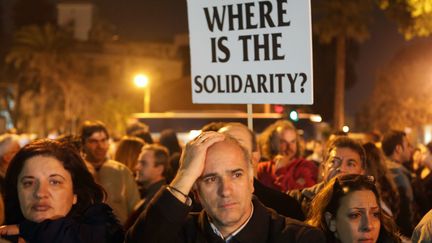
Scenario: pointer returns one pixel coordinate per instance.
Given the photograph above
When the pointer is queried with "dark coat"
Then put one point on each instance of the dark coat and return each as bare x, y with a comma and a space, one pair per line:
281, 202
96, 224
168, 220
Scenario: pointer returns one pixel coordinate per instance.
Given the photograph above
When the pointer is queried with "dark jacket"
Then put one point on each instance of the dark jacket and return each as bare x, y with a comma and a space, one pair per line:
281, 202
306, 195
168, 220
146, 196
96, 224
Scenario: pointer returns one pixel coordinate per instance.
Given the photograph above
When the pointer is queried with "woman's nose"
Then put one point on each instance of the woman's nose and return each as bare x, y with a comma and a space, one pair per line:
41, 190
366, 224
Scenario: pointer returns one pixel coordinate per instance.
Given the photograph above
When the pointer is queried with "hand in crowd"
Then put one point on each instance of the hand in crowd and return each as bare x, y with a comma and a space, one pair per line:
192, 160
9, 230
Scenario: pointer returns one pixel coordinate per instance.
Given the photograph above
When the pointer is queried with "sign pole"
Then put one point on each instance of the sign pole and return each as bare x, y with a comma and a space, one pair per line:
249, 116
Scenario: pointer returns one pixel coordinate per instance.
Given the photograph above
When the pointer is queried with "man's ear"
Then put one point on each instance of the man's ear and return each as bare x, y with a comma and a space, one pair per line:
330, 221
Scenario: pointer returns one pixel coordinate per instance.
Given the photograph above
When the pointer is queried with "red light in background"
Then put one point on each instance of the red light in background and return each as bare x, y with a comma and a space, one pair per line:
278, 109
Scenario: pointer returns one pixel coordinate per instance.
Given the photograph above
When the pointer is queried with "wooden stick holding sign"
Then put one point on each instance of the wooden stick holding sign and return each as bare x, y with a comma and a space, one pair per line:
249, 116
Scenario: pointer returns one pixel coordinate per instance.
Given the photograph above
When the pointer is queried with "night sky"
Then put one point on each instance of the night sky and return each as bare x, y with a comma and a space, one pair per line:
154, 20
149, 20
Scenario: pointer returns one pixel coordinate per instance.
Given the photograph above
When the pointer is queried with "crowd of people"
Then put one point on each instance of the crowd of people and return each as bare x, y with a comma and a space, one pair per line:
225, 185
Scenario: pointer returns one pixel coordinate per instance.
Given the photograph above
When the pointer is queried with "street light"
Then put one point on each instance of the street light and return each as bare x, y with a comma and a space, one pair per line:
142, 81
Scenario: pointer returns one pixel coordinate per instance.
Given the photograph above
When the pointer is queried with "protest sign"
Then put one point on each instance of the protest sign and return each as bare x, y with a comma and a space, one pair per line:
251, 52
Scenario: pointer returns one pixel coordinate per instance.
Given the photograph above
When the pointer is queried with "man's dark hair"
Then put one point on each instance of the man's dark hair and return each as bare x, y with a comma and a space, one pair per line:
391, 140
90, 127
346, 142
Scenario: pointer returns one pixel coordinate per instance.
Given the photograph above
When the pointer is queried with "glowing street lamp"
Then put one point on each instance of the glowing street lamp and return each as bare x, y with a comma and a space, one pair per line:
143, 81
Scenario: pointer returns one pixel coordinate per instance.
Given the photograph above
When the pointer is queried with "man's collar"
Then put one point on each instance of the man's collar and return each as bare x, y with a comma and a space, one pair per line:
231, 235
252, 231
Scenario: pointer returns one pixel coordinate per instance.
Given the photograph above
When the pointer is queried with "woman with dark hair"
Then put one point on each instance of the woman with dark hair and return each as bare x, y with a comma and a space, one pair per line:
376, 167
168, 138
348, 210
50, 196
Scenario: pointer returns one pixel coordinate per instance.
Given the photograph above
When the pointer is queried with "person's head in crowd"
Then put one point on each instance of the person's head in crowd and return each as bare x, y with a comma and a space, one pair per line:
343, 155
75, 142
212, 126
128, 150
374, 137
9, 146
396, 146
280, 138
135, 127
144, 135
152, 164
227, 178
429, 147
168, 139
48, 179
95, 140
348, 210
245, 137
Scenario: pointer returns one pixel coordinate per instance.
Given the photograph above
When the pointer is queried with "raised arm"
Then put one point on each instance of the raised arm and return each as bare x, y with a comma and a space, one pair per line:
192, 163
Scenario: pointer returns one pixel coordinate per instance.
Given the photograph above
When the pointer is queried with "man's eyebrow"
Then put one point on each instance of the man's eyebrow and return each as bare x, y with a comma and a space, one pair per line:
207, 175
237, 170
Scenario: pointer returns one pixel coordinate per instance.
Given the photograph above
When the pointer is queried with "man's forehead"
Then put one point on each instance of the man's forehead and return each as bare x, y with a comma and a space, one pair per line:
146, 152
344, 152
98, 135
224, 153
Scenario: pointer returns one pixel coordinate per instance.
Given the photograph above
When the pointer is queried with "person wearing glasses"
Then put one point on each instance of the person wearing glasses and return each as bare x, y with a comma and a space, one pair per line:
347, 210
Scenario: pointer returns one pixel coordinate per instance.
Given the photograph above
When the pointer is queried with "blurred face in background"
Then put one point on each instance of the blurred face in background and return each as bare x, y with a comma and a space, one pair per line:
342, 161
406, 150
96, 147
45, 189
288, 143
146, 171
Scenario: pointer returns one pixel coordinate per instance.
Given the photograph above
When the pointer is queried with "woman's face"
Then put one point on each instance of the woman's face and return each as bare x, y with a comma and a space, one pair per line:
45, 189
358, 218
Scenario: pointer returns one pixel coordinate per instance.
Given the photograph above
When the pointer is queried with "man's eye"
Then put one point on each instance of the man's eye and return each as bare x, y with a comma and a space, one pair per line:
210, 179
352, 164
237, 174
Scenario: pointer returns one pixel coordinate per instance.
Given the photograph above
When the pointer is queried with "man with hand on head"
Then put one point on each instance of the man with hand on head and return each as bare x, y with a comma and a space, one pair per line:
219, 172
281, 202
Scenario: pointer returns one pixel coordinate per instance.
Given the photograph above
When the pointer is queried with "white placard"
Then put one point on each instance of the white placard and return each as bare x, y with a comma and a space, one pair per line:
251, 52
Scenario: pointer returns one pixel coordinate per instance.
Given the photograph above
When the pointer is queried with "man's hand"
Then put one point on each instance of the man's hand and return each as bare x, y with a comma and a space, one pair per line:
9, 230
192, 160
